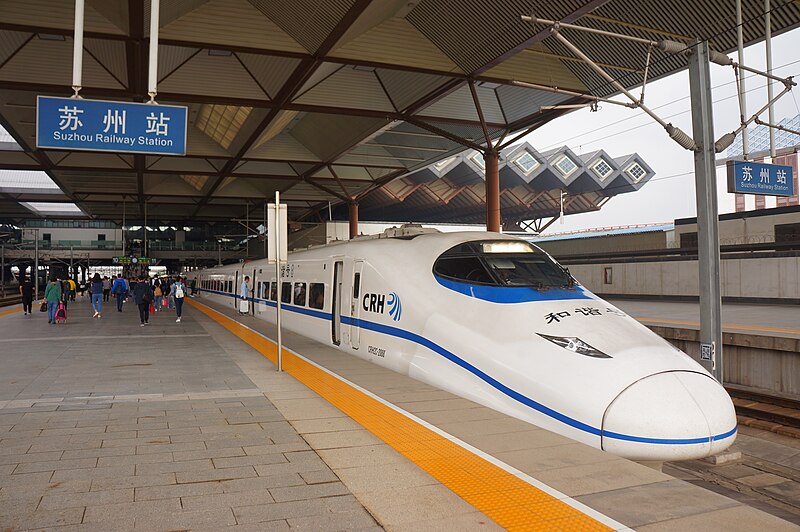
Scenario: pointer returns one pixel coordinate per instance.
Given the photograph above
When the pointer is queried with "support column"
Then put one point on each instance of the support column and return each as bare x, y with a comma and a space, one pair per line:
705, 176
353, 209
492, 160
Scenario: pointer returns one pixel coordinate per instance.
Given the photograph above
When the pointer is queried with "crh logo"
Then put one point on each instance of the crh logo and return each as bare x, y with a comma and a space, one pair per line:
377, 303
395, 307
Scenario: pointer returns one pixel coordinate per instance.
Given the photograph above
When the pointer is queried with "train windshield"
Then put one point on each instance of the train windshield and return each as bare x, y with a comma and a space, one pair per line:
502, 263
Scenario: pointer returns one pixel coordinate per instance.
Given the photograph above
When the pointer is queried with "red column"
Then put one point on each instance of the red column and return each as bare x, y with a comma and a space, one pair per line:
353, 219
492, 159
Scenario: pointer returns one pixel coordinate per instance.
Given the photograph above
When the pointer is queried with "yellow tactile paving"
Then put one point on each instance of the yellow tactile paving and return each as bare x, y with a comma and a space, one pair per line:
508, 500
5, 312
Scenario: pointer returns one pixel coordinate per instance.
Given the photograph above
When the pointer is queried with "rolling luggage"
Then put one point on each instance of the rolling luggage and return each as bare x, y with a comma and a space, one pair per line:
61, 313
243, 306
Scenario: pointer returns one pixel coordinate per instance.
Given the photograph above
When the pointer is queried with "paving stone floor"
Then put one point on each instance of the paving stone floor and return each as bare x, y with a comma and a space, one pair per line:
106, 425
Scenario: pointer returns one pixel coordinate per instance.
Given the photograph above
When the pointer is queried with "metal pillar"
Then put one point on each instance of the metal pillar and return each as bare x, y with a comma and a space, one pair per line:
768, 42
36, 263
742, 85
707, 217
492, 160
353, 210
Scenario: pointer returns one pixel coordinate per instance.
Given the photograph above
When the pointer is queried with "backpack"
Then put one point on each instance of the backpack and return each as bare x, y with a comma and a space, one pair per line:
179, 291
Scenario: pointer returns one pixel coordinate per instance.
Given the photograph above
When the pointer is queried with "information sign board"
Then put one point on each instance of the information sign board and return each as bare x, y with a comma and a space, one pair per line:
746, 177
97, 125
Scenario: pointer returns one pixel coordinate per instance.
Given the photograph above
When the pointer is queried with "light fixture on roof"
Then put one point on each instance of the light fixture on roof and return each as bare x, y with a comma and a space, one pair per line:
635, 171
51, 37
602, 169
219, 53
566, 166
526, 162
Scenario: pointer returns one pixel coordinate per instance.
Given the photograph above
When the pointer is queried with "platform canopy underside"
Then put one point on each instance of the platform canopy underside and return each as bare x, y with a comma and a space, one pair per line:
328, 101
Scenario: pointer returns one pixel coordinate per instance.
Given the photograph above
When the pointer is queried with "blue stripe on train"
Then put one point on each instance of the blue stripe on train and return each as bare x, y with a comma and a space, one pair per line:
527, 401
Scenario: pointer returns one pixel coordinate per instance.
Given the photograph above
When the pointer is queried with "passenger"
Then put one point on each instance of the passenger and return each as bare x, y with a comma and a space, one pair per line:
97, 295
120, 290
72, 289
106, 288
178, 292
26, 291
158, 295
64, 283
244, 290
52, 294
143, 295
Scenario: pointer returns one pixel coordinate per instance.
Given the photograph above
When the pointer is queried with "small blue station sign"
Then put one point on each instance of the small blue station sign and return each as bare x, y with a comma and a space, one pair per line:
96, 125
746, 177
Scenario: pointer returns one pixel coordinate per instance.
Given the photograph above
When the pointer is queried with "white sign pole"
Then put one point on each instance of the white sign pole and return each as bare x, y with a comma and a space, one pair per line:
152, 70
278, 274
77, 50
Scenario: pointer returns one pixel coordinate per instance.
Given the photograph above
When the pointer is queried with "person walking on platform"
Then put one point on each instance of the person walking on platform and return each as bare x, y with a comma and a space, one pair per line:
178, 292
143, 295
72, 289
52, 294
106, 288
120, 290
158, 295
97, 295
26, 291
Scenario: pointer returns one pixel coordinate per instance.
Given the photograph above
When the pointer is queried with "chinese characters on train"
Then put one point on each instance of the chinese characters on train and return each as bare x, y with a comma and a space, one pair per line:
556, 317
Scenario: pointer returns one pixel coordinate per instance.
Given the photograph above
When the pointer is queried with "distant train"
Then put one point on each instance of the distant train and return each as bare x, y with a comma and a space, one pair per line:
496, 320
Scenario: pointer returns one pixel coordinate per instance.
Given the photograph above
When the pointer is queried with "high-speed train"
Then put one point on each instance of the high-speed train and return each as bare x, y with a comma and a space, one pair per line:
496, 320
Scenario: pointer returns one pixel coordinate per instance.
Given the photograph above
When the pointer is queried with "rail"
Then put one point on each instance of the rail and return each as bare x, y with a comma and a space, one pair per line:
775, 409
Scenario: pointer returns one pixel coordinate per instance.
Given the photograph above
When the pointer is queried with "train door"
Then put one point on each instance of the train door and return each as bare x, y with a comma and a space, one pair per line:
336, 304
355, 308
235, 289
253, 293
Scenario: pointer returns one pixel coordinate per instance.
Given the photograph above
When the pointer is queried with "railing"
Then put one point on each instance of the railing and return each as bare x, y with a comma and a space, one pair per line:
193, 246
67, 244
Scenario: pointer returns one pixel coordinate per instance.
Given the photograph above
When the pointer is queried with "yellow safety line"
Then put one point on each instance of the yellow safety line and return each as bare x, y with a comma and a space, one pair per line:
510, 501
12, 311
724, 325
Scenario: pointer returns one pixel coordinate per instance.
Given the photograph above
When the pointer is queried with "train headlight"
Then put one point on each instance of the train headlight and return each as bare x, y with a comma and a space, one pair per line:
576, 345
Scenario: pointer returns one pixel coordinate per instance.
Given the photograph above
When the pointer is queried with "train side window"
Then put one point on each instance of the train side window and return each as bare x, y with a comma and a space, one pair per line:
286, 292
273, 291
300, 294
316, 295
356, 284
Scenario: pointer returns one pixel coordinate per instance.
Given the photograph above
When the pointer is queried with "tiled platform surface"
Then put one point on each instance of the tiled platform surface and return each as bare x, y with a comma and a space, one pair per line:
109, 426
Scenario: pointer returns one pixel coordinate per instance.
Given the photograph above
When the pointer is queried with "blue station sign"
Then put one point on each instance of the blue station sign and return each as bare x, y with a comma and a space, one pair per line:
96, 125
746, 177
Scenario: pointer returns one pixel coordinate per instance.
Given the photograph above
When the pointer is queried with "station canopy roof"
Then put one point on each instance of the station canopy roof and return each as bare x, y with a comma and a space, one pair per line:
325, 101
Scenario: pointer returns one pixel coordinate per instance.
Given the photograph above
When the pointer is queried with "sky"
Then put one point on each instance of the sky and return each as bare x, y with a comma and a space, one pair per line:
670, 194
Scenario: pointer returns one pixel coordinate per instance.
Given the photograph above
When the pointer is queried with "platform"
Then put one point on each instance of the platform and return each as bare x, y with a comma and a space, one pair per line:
105, 425
759, 320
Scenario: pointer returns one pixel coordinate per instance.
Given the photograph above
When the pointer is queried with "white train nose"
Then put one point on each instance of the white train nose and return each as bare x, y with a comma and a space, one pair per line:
676, 415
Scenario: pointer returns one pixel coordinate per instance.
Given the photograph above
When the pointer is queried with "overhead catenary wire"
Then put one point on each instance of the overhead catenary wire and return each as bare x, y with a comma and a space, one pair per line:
638, 115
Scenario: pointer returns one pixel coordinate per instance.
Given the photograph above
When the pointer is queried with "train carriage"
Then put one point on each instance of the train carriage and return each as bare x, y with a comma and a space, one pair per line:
496, 320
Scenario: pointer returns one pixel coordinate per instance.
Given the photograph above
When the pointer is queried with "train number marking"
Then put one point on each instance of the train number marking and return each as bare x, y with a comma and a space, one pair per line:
377, 351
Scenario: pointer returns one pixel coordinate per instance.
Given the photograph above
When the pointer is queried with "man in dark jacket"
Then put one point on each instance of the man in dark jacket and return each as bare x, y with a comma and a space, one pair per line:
26, 291
143, 295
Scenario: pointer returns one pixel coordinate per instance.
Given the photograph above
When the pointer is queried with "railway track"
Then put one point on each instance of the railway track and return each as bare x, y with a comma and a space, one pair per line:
781, 413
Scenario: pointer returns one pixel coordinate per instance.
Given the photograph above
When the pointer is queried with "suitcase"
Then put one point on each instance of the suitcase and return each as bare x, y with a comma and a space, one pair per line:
61, 313
244, 307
